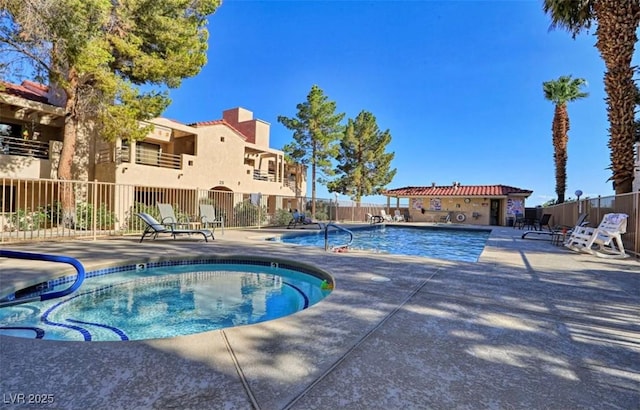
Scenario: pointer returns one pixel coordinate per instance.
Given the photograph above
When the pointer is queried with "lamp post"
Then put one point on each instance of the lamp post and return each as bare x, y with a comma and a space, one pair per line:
579, 194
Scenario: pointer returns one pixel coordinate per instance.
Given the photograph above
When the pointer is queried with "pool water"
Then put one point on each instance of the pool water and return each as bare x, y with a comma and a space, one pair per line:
164, 302
442, 243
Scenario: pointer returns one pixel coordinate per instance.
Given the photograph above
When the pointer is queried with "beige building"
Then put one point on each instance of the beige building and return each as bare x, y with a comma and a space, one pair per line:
465, 204
231, 154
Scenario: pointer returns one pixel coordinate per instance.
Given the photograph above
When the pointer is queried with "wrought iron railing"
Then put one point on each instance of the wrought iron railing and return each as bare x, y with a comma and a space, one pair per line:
34, 209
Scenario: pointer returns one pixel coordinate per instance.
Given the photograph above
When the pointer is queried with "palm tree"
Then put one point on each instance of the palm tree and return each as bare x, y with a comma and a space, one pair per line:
560, 92
617, 22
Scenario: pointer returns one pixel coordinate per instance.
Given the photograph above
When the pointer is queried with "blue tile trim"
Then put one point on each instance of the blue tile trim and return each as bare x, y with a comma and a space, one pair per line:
150, 265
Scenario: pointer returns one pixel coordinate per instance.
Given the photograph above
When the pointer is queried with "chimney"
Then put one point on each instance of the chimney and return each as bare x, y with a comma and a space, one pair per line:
433, 185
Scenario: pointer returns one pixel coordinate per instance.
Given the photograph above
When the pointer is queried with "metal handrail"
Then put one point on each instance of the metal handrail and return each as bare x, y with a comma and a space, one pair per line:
24, 147
326, 236
16, 299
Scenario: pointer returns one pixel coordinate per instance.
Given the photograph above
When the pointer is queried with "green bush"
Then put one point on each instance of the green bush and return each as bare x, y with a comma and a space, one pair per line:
24, 220
105, 219
282, 217
246, 214
321, 215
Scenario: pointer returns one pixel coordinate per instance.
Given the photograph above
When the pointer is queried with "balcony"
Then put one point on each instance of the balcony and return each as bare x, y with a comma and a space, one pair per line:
24, 148
143, 157
259, 175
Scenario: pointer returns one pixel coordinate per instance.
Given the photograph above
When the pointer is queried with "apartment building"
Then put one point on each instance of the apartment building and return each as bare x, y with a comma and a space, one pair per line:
231, 154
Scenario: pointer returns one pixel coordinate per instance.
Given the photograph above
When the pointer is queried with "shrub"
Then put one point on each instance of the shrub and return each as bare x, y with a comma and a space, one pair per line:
24, 220
105, 219
246, 214
282, 217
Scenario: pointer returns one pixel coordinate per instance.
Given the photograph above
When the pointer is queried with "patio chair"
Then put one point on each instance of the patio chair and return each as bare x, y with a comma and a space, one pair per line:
519, 221
299, 218
385, 216
208, 218
397, 216
559, 230
528, 220
154, 228
168, 217
605, 241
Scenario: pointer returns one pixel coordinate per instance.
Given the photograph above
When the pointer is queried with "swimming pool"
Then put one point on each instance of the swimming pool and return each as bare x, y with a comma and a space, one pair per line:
456, 244
170, 298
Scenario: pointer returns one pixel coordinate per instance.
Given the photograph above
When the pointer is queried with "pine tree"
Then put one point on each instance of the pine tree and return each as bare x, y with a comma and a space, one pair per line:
364, 167
316, 131
98, 53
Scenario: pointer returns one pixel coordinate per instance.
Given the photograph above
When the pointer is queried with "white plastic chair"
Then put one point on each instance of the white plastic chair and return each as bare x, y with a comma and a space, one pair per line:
605, 241
397, 216
385, 216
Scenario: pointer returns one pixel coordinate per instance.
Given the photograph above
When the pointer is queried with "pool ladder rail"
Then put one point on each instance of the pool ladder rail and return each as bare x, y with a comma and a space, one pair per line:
35, 292
337, 227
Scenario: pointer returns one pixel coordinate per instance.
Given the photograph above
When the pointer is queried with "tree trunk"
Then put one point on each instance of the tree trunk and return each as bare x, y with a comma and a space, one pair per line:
560, 132
616, 37
313, 190
67, 195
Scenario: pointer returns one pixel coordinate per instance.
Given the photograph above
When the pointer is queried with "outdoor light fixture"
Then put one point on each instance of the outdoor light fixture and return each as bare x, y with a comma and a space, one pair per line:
579, 194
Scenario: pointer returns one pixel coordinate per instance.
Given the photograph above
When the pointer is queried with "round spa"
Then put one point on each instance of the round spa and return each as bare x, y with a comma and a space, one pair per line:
170, 298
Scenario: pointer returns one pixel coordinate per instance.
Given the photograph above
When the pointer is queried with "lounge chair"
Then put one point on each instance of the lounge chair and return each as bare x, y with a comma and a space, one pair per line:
542, 222
168, 217
154, 228
605, 241
299, 218
374, 219
557, 231
397, 216
385, 216
208, 218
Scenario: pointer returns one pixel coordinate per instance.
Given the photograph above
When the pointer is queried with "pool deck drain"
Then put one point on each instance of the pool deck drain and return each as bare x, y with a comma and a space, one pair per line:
530, 325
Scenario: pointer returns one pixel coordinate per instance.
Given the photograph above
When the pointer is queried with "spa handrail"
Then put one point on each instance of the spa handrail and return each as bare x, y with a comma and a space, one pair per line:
11, 299
326, 235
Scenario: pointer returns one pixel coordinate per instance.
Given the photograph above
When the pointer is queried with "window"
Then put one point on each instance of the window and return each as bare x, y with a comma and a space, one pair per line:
10, 130
8, 198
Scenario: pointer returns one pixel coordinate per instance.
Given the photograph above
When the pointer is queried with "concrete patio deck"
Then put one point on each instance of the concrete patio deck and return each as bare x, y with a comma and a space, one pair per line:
529, 326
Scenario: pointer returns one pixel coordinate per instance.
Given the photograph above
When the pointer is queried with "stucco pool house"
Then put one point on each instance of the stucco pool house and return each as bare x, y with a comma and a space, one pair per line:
466, 204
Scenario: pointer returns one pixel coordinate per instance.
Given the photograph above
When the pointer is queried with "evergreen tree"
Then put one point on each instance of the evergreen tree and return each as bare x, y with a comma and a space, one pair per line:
316, 131
364, 166
97, 53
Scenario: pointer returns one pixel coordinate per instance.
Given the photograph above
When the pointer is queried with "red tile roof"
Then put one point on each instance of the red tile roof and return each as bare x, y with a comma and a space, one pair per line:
28, 90
460, 190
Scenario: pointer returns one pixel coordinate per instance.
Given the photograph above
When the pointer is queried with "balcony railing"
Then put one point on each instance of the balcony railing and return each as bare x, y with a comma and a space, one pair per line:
259, 175
146, 157
23, 147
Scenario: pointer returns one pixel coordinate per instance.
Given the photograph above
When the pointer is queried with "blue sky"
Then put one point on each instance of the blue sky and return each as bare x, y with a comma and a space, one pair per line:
457, 83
